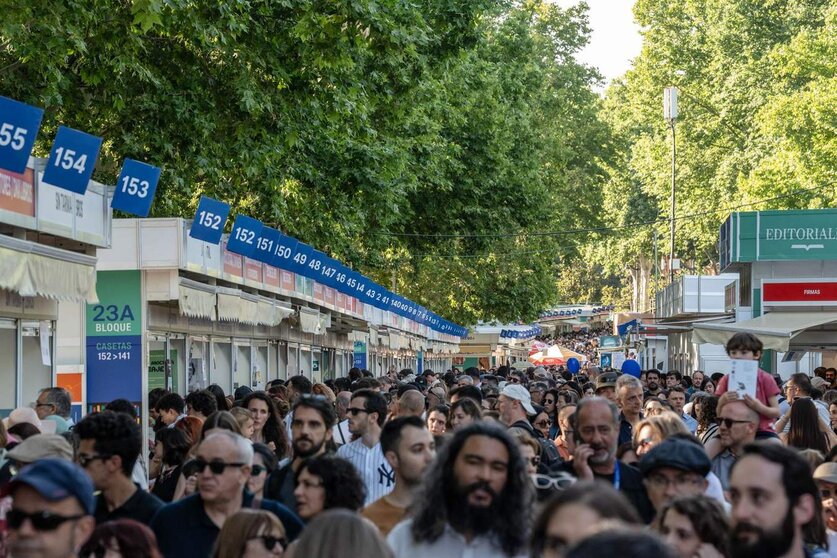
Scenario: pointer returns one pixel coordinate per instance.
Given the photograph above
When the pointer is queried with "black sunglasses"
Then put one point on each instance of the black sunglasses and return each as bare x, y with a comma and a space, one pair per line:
85, 460
728, 422
199, 465
41, 521
257, 470
270, 542
355, 411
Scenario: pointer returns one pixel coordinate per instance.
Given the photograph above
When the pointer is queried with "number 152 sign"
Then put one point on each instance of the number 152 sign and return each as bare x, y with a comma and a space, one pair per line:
209, 221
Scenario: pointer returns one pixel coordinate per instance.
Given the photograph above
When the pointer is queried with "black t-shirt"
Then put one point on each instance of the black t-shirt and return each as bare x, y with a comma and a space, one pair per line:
166, 484
141, 506
630, 485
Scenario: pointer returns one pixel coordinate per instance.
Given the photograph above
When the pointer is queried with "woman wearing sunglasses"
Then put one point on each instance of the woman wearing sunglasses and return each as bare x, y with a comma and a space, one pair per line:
123, 538
264, 461
251, 534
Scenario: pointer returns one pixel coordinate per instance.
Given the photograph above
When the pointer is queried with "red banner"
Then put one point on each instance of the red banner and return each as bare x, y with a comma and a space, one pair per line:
808, 292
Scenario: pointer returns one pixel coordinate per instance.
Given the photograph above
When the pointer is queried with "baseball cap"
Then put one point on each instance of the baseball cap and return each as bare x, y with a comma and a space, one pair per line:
606, 381
516, 391
42, 446
676, 453
56, 479
826, 472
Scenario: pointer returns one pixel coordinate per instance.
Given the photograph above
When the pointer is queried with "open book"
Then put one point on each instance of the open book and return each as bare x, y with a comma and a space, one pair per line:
744, 377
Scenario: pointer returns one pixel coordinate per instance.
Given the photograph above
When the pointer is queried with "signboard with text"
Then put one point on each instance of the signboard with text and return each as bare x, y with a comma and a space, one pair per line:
799, 292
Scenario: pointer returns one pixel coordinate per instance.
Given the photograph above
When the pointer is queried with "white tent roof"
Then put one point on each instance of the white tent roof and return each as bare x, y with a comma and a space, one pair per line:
777, 330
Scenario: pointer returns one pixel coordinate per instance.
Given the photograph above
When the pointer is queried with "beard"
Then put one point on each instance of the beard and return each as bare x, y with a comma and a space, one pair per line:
306, 452
653, 385
467, 518
769, 544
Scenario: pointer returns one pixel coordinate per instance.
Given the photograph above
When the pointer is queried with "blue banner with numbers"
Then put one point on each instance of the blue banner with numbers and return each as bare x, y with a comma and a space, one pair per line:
135, 188
72, 159
266, 245
19, 124
209, 221
245, 232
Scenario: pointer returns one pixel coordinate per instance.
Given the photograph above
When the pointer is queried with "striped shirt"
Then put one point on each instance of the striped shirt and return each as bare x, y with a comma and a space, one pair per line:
377, 475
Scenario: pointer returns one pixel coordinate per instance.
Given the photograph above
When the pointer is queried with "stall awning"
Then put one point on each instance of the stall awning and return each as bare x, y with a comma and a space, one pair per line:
32, 269
195, 300
271, 313
311, 321
236, 306
776, 330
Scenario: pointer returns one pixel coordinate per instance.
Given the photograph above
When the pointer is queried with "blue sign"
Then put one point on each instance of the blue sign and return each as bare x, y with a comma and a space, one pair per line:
72, 159
19, 125
136, 187
266, 245
359, 354
209, 221
245, 232
108, 361
285, 252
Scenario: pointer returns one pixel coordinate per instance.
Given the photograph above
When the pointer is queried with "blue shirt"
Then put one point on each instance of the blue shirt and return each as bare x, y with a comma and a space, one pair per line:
690, 423
184, 530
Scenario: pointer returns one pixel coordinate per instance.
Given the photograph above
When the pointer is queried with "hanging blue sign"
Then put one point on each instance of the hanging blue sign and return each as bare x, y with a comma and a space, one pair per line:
210, 218
19, 125
245, 232
72, 159
266, 245
136, 187
285, 252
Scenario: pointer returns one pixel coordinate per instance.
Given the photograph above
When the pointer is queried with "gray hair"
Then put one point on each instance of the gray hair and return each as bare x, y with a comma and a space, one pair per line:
626, 380
59, 397
590, 401
243, 446
468, 380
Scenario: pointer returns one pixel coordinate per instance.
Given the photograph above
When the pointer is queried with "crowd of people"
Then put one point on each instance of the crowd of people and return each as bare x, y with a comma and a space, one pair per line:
494, 463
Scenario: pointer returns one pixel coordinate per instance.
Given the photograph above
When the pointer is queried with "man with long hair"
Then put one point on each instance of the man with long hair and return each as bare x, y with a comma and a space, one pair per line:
476, 496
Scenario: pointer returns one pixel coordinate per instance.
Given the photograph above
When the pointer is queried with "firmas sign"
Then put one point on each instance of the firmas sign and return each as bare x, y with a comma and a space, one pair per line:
779, 236
114, 338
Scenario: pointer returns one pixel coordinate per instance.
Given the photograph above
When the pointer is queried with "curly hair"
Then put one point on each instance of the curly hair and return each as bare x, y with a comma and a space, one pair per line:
274, 428
706, 408
341, 482
133, 539
113, 434
707, 516
431, 512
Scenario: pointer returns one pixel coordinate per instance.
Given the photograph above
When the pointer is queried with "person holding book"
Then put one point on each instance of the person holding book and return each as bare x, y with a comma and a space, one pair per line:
746, 346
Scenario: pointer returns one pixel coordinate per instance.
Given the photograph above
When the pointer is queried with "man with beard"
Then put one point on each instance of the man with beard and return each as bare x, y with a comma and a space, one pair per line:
367, 415
775, 505
312, 427
476, 500
652, 383
409, 448
596, 434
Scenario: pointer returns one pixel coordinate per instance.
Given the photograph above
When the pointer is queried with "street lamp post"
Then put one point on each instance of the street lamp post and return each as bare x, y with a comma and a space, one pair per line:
670, 114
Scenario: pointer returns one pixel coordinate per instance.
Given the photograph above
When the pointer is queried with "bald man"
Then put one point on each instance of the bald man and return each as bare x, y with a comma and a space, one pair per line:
737, 427
411, 404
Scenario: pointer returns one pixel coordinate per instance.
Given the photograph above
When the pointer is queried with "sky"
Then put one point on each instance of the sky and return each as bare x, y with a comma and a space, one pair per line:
615, 38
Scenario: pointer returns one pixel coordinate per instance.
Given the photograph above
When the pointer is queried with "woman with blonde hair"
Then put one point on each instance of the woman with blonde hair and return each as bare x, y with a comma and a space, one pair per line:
250, 533
340, 533
652, 430
324, 390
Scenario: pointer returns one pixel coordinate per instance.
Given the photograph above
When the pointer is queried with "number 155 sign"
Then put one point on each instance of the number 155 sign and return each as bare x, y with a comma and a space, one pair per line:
19, 125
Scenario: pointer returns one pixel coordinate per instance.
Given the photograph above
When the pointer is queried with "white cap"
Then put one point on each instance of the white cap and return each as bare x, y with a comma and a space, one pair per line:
516, 391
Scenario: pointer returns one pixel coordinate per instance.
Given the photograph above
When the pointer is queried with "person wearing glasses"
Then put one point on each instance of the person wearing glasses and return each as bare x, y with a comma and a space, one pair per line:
737, 427
55, 403
674, 467
52, 510
188, 527
367, 414
264, 461
251, 534
109, 445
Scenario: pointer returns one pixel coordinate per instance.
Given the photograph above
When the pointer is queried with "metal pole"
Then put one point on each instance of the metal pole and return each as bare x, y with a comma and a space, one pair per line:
673, 205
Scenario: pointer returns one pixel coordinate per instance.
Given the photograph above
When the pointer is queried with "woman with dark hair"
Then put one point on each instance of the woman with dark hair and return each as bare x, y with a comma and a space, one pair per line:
22, 430
221, 420
123, 538
170, 450
576, 513
220, 397
540, 421
708, 386
705, 409
326, 482
690, 524
464, 412
264, 461
250, 533
806, 430
268, 427
551, 404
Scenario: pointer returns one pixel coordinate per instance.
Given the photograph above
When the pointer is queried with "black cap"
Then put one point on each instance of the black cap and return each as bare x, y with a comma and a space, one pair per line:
607, 380
676, 453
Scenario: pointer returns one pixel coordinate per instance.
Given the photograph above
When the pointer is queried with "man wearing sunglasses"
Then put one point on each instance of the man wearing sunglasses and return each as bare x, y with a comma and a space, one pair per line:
52, 510
188, 528
737, 427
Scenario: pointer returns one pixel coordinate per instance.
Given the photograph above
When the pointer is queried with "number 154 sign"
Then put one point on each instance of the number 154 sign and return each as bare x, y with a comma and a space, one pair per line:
72, 159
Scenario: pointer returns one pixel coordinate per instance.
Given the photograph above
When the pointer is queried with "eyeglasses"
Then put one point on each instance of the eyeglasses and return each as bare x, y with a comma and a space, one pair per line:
257, 470
215, 467
728, 422
85, 460
548, 401
543, 423
270, 542
514, 380
559, 482
39, 404
679, 482
354, 411
41, 521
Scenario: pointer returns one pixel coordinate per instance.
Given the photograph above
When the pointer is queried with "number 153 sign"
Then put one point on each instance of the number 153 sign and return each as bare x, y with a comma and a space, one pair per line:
135, 188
